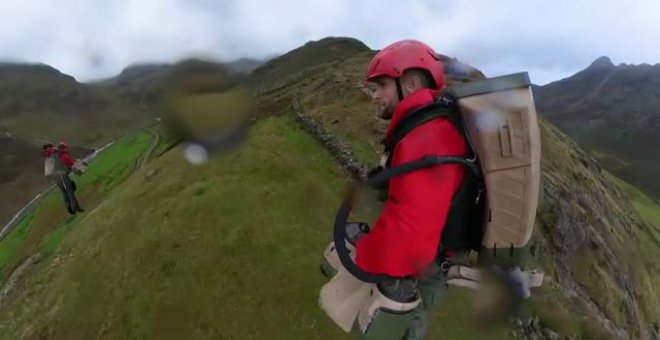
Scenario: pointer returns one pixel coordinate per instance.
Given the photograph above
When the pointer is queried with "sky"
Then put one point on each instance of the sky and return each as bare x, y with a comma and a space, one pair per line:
93, 39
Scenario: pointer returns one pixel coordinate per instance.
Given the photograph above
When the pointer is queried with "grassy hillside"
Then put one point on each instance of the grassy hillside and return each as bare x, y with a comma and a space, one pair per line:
42, 228
231, 249
601, 247
190, 258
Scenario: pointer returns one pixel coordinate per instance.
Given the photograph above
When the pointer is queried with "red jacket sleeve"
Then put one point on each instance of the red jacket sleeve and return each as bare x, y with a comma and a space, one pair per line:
405, 238
67, 159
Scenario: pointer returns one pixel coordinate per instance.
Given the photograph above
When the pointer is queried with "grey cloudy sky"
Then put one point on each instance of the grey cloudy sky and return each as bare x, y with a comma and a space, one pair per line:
91, 39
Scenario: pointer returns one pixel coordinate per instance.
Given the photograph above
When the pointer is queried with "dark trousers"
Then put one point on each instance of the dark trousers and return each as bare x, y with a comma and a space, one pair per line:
68, 188
431, 286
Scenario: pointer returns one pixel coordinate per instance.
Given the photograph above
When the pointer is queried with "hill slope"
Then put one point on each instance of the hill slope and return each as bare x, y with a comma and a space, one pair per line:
218, 250
190, 258
612, 110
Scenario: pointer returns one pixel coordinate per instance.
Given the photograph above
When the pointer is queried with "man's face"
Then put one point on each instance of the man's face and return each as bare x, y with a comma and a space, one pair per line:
385, 96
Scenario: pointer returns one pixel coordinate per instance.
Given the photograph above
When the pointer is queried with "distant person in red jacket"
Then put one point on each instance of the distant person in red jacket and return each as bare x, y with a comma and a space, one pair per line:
58, 165
404, 241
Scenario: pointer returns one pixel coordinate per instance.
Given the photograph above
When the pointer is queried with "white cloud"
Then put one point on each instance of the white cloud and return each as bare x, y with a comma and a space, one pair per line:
97, 38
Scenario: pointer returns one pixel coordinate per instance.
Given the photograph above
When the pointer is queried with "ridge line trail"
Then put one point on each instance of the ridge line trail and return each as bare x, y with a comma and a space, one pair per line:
593, 93
154, 142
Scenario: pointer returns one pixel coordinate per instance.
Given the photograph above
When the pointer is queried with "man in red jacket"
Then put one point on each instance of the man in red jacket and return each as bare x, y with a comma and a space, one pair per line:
60, 168
408, 76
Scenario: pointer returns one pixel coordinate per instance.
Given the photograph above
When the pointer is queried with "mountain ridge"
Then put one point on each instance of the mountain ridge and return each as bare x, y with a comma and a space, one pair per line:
611, 110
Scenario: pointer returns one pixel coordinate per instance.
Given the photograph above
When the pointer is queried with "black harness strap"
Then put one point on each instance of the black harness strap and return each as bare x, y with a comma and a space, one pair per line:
427, 161
437, 110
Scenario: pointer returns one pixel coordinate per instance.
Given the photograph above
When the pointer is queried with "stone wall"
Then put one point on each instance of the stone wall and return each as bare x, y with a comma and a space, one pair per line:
339, 150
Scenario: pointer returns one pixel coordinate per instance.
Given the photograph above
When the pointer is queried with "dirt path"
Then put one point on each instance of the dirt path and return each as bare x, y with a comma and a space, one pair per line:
13, 283
154, 142
594, 93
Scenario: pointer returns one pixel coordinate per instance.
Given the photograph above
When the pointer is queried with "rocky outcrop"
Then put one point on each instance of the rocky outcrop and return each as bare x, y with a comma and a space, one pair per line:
569, 234
531, 328
594, 240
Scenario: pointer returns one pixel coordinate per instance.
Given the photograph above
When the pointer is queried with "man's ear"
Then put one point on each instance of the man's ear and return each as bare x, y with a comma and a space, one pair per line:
411, 83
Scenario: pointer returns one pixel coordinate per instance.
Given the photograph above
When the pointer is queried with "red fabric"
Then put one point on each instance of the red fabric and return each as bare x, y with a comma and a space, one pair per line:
49, 151
66, 158
405, 238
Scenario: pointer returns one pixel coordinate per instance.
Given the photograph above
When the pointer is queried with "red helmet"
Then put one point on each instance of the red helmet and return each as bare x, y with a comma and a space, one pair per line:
402, 55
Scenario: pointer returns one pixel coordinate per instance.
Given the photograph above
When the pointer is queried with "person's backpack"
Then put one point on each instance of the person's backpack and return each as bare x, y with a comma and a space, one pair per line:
53, 164
48, 153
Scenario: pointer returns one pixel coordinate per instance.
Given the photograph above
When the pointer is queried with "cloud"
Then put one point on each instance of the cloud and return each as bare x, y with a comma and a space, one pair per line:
96, 38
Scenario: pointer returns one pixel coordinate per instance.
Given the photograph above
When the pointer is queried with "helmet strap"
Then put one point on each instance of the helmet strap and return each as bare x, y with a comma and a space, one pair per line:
399, 91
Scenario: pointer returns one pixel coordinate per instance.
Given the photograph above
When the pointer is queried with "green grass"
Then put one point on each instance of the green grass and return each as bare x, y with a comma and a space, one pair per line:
53, 239
648, 208
13, 247
10, 245
645, 205
643, 256
117, 162
230, 249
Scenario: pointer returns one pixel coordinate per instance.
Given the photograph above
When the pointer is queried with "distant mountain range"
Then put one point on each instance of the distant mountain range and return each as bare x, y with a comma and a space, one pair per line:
613, 110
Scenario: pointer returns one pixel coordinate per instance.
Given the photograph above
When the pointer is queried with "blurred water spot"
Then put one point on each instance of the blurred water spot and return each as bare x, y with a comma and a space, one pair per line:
196, 154
208, 106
